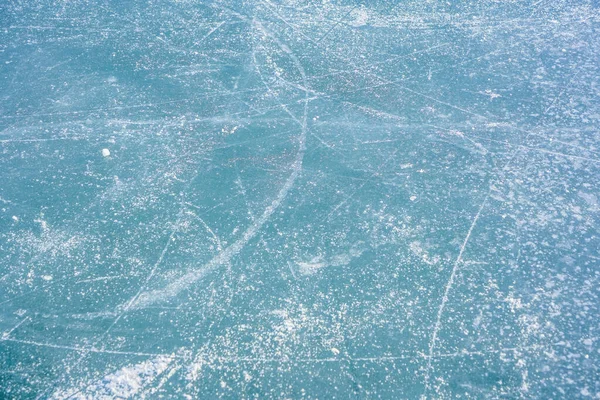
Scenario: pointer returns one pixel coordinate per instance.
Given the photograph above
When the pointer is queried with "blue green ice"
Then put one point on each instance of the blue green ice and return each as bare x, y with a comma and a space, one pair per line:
299, 199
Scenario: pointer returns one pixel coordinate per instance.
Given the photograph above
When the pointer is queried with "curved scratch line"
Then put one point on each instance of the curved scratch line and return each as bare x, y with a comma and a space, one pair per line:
184, 282
438, 321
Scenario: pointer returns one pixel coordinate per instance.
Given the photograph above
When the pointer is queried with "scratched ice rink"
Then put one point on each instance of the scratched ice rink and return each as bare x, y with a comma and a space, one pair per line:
299, 199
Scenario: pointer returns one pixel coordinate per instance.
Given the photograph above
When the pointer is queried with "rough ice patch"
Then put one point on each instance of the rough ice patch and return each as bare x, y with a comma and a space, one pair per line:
124, 383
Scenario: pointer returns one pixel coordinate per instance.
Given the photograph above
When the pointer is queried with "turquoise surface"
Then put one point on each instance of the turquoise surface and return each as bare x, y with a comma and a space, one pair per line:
299, 199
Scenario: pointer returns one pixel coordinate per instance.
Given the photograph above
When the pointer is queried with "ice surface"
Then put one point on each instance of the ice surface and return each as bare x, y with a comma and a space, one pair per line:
299, 199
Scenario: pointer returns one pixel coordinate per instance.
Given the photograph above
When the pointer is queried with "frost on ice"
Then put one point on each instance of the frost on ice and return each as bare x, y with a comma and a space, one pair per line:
387, 199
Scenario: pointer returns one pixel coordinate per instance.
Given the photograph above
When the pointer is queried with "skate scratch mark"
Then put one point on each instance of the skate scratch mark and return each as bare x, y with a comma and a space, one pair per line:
85, 349
450, 283
213, 30
215, 237
438, 321
6, 335
292, 270
177, 286
128, 306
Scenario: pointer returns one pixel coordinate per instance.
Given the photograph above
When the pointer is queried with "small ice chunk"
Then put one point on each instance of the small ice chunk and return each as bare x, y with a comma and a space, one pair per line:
105, 152
15, 218
47, 277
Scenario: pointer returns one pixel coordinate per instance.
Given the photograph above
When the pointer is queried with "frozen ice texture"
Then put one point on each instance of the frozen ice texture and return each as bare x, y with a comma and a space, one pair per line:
339, 199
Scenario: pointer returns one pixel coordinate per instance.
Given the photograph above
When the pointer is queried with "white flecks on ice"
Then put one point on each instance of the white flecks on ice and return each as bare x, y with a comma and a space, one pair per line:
124, 383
